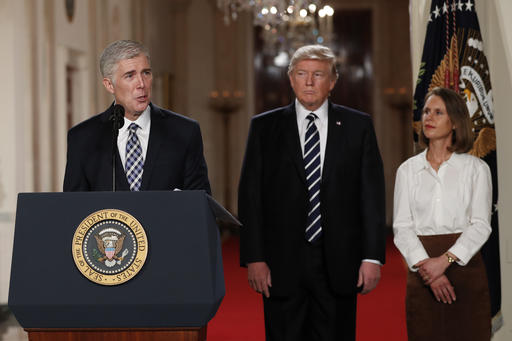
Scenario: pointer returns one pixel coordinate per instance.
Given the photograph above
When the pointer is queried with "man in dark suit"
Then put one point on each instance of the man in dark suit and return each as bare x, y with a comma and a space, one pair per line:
311, 201
156, 148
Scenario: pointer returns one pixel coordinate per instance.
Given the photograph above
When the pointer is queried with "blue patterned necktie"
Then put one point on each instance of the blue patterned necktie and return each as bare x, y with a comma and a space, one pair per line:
134, 159
312, 166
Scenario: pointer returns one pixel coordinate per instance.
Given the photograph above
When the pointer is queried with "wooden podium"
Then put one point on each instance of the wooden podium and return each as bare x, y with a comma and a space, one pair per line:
113, 334
175, 293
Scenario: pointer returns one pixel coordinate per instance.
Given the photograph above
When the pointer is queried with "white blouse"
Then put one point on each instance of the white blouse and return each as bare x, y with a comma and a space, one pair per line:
456, 199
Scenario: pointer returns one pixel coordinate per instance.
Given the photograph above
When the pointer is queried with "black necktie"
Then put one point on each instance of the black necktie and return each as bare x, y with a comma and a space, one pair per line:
312, 166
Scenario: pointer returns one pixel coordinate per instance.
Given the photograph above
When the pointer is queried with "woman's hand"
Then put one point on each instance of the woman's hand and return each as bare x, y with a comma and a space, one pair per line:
431, 269
443, 290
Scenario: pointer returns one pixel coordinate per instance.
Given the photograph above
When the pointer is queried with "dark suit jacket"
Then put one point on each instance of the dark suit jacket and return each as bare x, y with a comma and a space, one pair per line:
273, 197
174, 157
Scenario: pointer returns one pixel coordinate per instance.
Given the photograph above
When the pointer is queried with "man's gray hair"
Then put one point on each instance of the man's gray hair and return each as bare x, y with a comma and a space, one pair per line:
117, 51
315, 52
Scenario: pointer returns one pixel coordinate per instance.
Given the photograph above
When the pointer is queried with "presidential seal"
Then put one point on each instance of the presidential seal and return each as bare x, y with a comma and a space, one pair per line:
109, 247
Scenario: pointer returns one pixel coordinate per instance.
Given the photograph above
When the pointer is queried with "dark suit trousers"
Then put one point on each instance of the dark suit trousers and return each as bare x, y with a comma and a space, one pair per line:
313, 312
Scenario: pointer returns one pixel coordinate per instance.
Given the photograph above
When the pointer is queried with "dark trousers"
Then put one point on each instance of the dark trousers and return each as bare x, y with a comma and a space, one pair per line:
313, 312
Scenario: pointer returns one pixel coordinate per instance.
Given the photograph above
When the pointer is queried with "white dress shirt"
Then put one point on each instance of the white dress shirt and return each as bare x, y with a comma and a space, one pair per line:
455, 199
144, 123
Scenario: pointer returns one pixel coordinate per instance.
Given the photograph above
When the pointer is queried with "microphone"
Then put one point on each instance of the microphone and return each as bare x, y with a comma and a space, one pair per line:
117, 118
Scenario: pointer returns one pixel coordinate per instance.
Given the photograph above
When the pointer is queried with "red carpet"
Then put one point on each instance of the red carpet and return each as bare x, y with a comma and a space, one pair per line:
380, 315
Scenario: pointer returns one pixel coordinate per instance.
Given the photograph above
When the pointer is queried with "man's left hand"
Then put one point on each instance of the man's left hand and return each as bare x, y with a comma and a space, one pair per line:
369, 276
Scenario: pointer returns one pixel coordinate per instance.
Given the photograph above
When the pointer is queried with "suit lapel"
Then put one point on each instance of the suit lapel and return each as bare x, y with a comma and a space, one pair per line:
156, 137
290, 133
121, 180
336, 140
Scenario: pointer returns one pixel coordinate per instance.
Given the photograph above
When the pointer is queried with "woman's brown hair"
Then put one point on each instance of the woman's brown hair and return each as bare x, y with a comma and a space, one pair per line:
462, 137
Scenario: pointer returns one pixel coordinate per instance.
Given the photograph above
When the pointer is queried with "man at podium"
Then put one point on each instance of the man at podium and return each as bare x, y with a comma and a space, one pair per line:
155, 149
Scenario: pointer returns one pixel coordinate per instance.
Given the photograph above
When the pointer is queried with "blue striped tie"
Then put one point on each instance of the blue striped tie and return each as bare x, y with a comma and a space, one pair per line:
134, 159
312, 166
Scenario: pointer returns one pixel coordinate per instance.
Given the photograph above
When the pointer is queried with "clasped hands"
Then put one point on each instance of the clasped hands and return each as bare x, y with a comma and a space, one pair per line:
432, 271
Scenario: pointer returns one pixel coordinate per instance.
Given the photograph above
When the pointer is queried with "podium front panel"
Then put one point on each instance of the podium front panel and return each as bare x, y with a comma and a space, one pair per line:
180, 284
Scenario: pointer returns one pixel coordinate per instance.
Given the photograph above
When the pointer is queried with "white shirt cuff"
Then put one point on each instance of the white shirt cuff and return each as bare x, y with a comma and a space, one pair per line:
374, 261
461, 253
415, 257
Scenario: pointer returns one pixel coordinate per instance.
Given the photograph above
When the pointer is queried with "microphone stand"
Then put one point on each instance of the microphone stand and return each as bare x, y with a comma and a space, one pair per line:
117, 119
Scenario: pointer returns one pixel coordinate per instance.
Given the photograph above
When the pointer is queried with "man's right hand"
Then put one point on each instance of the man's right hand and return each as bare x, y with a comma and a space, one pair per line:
258, 275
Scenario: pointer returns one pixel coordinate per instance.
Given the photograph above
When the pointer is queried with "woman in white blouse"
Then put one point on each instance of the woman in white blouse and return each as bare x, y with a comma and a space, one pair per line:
442, 211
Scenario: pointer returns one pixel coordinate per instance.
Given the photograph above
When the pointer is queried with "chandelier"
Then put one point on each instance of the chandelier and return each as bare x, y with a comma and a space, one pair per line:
285, 24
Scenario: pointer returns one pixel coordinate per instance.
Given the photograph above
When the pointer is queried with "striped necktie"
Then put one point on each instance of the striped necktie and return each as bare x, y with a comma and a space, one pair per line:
134, 159
312, 166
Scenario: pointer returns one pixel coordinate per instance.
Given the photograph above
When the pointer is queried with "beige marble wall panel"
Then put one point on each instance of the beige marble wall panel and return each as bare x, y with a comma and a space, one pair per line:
16, 143
496, 29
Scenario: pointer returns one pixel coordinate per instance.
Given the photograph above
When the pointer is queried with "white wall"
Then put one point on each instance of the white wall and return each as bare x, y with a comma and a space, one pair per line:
496, 29
16, 134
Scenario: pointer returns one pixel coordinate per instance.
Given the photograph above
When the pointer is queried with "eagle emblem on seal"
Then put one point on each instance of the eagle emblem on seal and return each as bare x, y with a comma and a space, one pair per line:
110, 243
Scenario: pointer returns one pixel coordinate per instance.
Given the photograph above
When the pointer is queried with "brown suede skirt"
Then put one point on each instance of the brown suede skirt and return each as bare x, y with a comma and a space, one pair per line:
468, 318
